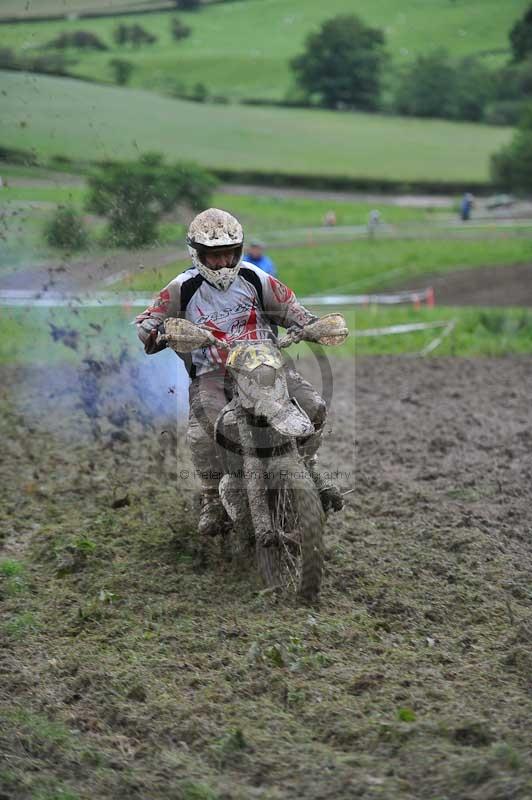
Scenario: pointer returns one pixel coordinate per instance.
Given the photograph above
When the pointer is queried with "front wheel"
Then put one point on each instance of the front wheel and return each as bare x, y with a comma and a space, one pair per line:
294, 559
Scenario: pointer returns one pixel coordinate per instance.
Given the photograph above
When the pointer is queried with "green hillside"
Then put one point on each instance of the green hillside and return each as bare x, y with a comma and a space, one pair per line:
243, 49
55, 116
30, 8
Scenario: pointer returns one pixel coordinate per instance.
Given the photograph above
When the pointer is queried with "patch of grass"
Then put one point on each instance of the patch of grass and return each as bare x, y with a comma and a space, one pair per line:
21, 233
12, 577
365, 266
49, 115
269, 35
197, 791
50, 335
56, 794
21, 624
406, 715
264, 213
470, 337
13, 7
59, 194
29, 333
10, 568
9, 171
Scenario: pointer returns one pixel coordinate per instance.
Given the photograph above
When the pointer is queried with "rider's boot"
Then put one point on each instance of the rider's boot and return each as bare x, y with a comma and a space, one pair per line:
330, 496
213, 516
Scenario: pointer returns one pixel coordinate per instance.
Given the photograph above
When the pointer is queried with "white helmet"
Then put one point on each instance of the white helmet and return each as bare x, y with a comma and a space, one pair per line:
215, 229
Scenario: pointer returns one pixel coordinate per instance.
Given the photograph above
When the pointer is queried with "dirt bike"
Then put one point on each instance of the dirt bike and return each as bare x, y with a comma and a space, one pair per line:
269, 495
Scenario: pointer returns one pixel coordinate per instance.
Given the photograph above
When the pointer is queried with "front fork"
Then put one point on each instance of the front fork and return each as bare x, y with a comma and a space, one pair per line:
254, 481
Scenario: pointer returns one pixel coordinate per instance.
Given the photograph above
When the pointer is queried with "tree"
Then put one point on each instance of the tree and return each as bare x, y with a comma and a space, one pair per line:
134, 197
512, 165
8, 59
133, 34
474, 89
121, 35
122, 70
139, 35
199, 93
179, 29
427, 86
521, 36
66, 229
84, 40
342, 64
434, 86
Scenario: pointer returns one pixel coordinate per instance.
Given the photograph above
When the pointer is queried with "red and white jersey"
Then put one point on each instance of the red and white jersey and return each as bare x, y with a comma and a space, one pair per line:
251, 308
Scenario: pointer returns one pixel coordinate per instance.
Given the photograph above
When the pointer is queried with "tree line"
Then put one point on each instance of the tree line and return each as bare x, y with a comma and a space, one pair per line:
345, 66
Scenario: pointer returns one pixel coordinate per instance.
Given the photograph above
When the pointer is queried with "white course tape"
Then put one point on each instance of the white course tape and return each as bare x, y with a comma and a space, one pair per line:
404, 328
51, 299
416, 297
439, 339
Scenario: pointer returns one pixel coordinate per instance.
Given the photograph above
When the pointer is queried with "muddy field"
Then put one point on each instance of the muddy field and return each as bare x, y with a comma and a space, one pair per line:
480, 286
129, 671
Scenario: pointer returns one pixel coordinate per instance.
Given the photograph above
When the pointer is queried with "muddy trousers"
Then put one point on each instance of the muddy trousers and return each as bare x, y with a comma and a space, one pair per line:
209, 393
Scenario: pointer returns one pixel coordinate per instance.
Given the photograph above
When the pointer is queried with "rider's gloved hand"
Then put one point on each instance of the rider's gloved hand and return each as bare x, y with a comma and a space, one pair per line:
297, 332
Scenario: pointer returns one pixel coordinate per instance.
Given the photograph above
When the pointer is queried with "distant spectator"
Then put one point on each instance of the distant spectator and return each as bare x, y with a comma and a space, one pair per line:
466, 205
374, 221
256, 256
329, 220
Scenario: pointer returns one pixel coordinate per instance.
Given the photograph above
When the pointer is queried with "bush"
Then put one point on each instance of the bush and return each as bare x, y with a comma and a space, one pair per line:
514, 81
122, 70
504, 112
426, 87
7, 58
133, 197
433, 86
199, 93
176, 88
135, 35
521, 36
51, 64
179, 29
342, 64
84, 40
512, 165
187, 5
66, 229
474, 88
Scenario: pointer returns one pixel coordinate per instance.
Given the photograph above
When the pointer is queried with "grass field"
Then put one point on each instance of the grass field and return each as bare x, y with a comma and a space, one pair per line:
30, 195
62, 117
362, 266
257, 213
10, 8
25, 334
243, 49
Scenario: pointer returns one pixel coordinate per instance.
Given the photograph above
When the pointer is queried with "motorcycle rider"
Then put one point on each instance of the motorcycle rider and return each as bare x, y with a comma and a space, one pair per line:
230, 297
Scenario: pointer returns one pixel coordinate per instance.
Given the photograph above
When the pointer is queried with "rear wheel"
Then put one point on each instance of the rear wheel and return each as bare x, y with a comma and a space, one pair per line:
293, 561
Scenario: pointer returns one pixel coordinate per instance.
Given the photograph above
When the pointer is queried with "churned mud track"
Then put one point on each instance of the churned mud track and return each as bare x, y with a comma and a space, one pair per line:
126, 670
480, 286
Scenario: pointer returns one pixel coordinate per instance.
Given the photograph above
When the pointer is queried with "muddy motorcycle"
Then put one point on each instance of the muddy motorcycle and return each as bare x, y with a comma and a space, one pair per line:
270, 497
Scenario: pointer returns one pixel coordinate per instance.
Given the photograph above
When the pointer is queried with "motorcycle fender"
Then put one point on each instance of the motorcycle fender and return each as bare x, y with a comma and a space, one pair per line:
286, 417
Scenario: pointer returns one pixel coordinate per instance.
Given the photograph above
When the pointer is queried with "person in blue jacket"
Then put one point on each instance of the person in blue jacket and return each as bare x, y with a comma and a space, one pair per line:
256, 256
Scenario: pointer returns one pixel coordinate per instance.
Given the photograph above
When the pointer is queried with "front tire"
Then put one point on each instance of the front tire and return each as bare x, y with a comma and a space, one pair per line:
294, 559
